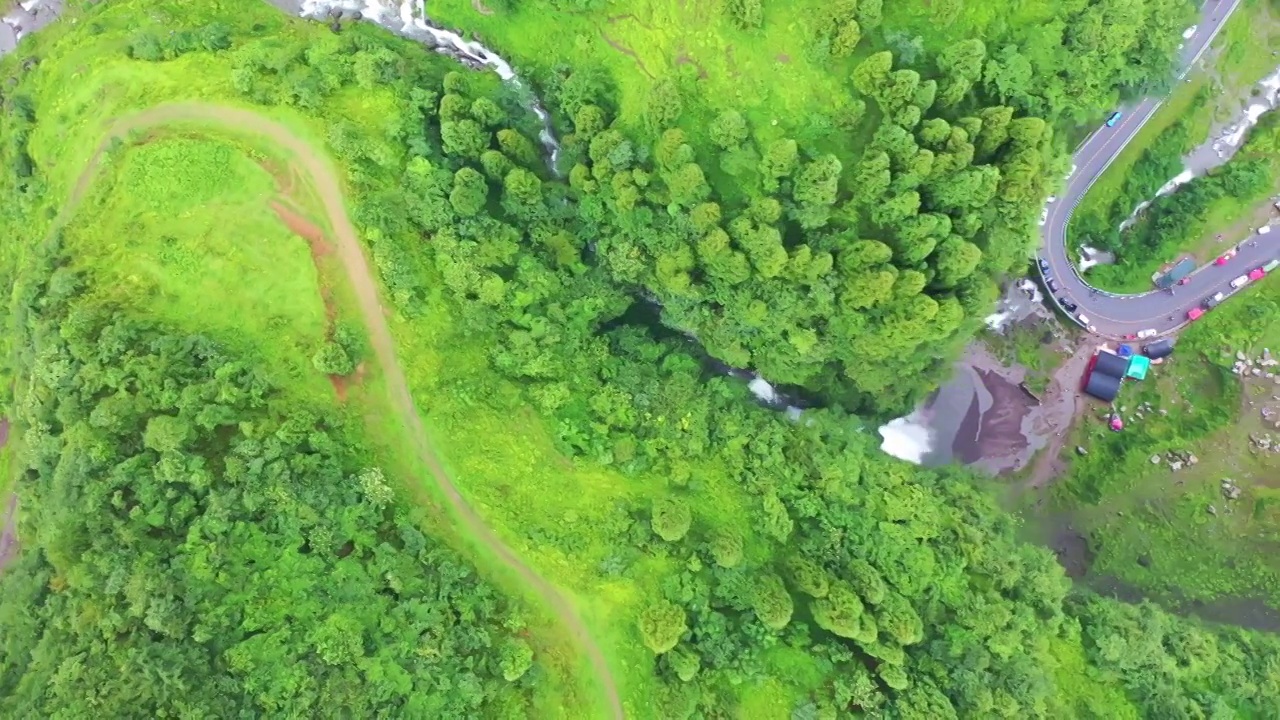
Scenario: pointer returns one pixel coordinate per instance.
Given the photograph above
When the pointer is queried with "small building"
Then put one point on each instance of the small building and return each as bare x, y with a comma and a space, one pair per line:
1158, 349
1109, 363
1102, 386
1138, 367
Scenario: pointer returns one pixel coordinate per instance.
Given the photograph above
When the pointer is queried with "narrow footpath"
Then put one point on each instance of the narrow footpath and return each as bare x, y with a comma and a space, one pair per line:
361, 277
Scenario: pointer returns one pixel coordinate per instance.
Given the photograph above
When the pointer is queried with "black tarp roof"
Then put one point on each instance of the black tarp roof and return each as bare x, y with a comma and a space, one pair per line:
1102, 386
1158, 349
1110, 364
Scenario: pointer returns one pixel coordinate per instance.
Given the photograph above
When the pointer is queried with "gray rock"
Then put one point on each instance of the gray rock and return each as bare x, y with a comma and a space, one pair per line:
1240, 355
1176, 465
1081, 451
1155, 459
1213, 510
1192, 459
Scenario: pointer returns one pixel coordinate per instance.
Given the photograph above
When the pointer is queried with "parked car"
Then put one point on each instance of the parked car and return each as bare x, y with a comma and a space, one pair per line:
1044, 265
1051, 284
1115, 118
1052, 199
1194, 313
1257, 274
1084, 319
1044, 215
1213, 300
1067, 304
1224, 257
1271, 266
1239, 282
1144, 334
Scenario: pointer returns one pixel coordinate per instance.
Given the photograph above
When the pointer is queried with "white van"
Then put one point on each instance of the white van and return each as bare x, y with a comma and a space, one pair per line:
1239, 282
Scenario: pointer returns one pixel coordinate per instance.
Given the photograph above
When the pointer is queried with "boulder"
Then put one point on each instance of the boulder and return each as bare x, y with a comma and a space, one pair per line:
1155, 459
1081, 451
1176, 465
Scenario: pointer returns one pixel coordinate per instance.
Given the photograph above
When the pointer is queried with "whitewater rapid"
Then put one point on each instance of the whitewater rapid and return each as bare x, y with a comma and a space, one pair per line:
409, 19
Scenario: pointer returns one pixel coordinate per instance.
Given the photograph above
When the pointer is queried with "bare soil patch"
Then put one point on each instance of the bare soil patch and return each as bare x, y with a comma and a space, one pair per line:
320, 248
479, 6
9, 533
1061, 403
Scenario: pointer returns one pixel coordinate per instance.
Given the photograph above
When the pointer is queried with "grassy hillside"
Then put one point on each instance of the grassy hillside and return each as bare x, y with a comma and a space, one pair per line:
724, 559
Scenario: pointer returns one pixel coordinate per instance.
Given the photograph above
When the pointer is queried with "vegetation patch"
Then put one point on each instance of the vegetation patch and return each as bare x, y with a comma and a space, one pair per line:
1179, 535
558, 335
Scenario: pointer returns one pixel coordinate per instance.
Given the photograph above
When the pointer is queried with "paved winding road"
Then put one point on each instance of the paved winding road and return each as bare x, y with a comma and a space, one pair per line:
1114, 315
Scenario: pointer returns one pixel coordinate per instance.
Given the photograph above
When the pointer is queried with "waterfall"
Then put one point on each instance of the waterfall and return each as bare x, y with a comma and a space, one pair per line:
406, 22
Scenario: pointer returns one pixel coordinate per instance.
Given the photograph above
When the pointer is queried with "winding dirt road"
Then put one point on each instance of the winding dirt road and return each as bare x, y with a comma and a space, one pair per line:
362, 281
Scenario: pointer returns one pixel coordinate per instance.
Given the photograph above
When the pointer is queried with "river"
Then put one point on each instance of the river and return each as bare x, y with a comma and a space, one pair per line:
409, 19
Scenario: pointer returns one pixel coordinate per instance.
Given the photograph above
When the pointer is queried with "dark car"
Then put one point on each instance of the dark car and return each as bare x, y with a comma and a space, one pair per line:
1051, 284
1067, 305
1212, 301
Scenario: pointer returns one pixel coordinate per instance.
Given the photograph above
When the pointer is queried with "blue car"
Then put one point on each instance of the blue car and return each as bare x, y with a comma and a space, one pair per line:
1115, 118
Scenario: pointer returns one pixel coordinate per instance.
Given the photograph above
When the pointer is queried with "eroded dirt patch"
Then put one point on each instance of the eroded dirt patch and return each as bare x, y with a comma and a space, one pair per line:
9, 526
320, 248
1062, 402
626, 51
684, 58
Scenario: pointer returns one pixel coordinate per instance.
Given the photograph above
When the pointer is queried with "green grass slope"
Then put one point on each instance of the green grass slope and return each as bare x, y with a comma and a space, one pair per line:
728, 561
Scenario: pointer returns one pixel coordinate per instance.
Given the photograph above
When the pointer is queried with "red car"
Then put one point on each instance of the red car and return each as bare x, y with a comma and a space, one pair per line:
1194, 313
1224, 257
1257, 273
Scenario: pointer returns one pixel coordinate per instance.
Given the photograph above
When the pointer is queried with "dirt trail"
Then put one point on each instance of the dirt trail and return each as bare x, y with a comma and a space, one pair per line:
8, 526
362, 281
1063, 401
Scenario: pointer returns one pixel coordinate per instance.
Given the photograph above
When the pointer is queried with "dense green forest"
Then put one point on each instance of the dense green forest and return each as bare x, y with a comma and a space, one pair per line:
199, 550
200, 542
